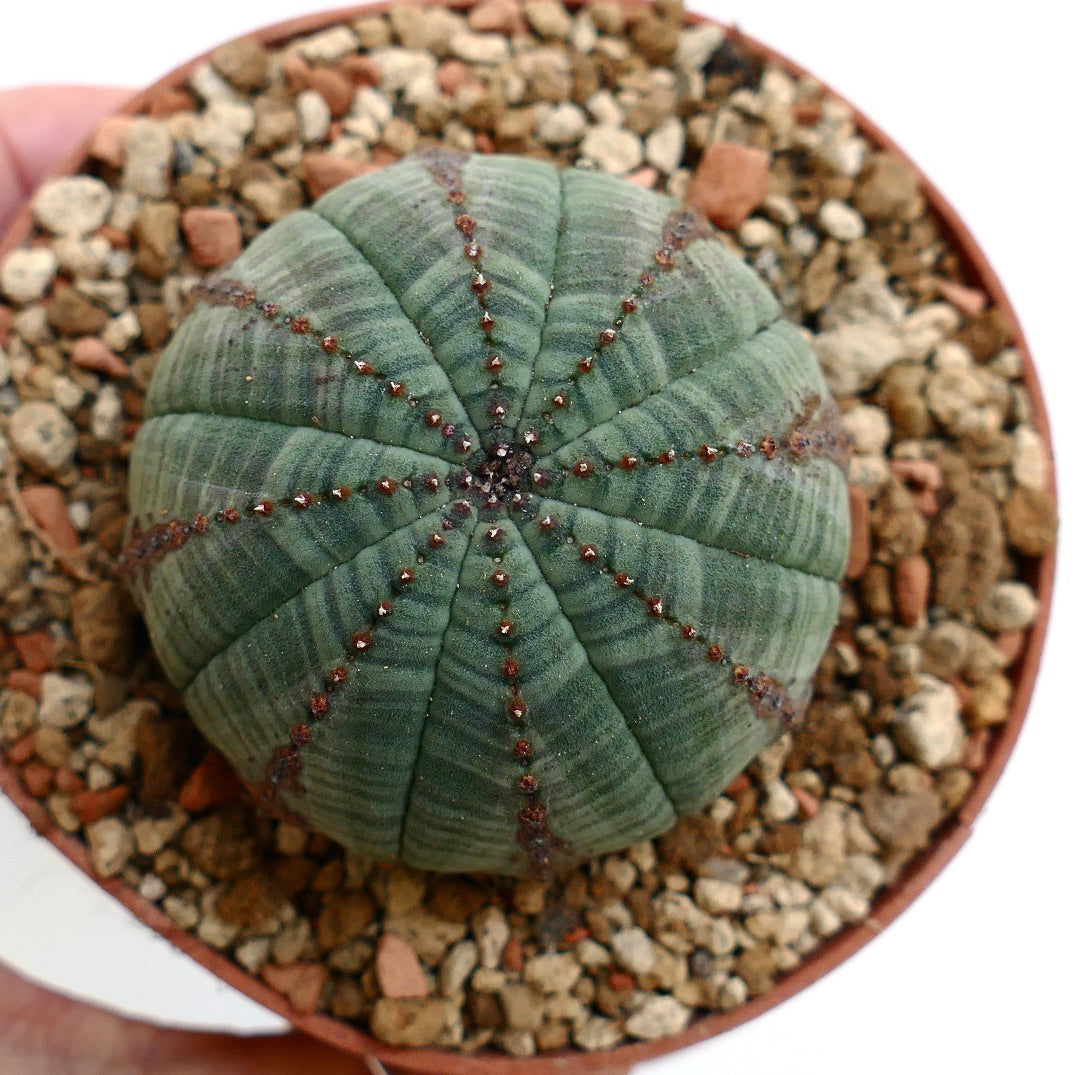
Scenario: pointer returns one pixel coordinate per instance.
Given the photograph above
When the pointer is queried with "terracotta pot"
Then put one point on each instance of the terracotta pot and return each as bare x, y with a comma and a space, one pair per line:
1039, 575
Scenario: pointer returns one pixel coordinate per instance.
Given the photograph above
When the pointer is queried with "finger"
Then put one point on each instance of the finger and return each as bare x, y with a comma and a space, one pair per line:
39, 127
42, 1033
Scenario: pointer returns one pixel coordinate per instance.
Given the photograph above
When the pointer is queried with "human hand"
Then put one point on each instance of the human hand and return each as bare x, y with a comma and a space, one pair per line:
42, 1033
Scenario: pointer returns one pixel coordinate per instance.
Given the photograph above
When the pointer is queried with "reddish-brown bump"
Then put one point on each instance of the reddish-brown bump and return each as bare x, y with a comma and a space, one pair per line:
516, 708
607, 337
767, 445
528, 784
547, 522
505, 628
494, 533
434, 419
330, 344
363, 367
494, 363
623, 580
501, 578
396, 389
337, 676
384, 608
435, 541
583, 468
486, 322
299, 325
588, 553
628, 462
560, 399
666, 457
262, 507
524, 751
302, 500
480, 284
340, 493
319, 705
655, 606
386, 486
688, 632
230, 515
301, 735
361, 641
664, 258
406, 576
707, 453
472, 251
629, 305
585, 365
716, 652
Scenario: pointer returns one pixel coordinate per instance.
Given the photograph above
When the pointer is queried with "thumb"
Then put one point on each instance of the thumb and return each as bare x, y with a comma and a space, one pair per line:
39, 127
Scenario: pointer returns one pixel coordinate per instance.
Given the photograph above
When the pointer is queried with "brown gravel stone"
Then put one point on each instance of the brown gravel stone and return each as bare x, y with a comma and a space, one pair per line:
110, 139
156, 236
497, 16
37, 778
399, 973
153, 321
1030, 520
985, 334
911, 579
361, 70
966, 545
729, 183
73, 314
213, 236
223, 845
967, 300
903, 822
323, 171
344, 915
89, 353
103, 622
212, 783
252, 902
164, 746
48, 508
301, 983
887, 189
859, 556
410, 1021
336, 89
34, 649
90, 806
244, 63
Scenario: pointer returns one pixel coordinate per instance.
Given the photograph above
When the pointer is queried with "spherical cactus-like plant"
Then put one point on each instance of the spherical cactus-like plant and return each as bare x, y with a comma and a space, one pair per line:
488, 515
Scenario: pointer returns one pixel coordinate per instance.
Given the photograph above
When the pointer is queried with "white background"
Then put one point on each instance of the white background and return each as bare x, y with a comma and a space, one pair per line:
977, 974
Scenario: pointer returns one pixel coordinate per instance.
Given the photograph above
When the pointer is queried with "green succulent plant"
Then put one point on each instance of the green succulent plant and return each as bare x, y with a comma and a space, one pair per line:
488, 515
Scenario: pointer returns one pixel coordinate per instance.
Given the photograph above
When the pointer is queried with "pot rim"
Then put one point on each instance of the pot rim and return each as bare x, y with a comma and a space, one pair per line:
915, 877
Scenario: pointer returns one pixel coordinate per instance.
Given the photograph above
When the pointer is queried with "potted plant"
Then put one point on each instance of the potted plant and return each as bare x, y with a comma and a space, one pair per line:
955, 833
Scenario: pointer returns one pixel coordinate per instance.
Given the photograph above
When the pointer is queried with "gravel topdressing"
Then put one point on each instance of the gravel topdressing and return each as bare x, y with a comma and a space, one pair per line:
951, 496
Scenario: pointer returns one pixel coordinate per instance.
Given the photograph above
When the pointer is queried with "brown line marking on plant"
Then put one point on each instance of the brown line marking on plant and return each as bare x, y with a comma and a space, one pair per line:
228, 292
826, 439
817, 430
283, 768
768, 698
447, 172
681, 227
535, 833
147, 547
